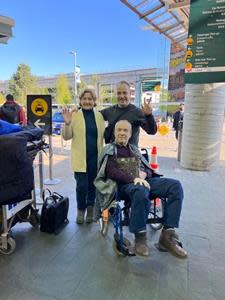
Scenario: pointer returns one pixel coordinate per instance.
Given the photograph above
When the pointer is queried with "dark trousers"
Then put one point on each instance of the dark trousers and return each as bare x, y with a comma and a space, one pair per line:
85, 189
176, 133
139, 195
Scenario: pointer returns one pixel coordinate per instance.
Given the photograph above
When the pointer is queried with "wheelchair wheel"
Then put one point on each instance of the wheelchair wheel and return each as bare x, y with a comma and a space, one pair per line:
156, 212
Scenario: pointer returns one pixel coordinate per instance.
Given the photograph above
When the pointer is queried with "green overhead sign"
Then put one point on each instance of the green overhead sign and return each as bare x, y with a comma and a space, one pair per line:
205, 56
153, 86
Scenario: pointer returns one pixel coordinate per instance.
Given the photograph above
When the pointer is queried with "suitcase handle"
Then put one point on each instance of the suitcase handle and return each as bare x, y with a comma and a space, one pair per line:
53, 196
43, 194
58, 195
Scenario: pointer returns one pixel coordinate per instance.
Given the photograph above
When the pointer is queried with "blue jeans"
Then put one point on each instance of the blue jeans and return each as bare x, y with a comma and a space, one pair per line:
85, 190
168, 188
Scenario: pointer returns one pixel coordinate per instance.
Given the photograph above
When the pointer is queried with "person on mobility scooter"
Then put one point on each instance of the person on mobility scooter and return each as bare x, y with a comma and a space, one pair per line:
122, 168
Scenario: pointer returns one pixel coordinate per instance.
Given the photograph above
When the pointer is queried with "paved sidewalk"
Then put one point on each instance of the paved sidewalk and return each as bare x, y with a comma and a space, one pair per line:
80, 264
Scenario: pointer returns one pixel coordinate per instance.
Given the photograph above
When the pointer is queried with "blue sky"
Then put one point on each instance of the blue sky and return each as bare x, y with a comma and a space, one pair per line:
106, 35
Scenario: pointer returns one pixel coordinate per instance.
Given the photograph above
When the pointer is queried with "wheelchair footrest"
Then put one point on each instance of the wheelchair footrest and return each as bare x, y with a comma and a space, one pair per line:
122, 248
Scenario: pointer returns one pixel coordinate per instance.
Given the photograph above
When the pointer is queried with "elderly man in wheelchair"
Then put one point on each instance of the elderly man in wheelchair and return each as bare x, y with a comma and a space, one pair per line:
123, 170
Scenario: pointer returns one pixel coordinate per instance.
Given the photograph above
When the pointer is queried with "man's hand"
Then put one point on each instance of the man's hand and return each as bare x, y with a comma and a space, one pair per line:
147, 108
140, 181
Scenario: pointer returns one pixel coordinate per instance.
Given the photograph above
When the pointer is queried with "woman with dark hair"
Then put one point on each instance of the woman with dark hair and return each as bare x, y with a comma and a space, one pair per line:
86, 129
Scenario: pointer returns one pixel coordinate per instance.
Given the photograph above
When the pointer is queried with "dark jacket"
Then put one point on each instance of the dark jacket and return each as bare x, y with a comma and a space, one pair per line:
16, 170
12, 112
177, 117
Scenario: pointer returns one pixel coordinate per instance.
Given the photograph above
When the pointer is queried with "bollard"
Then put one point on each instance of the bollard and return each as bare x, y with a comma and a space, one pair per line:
51, 180
180, 133
40, 167
154, 163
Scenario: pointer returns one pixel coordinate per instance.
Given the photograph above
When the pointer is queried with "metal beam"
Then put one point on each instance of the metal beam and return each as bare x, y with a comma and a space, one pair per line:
141, 3
185, 3
165, 29
165, 21
150, 11
172, 28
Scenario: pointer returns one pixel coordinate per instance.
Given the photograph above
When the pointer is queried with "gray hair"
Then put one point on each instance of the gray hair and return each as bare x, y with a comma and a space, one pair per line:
92, 92
123, 82
129, 124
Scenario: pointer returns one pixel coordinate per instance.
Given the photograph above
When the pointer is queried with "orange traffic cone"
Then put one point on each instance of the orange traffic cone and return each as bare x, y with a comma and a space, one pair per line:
153, 164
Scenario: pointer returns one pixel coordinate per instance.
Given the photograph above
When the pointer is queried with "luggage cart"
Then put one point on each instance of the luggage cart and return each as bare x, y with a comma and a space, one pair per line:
23, 211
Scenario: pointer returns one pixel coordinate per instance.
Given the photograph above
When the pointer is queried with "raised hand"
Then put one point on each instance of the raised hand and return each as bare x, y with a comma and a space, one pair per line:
67, 115
147, 108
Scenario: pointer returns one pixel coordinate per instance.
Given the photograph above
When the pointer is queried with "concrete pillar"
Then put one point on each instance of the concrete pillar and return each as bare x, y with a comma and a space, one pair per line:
203, 125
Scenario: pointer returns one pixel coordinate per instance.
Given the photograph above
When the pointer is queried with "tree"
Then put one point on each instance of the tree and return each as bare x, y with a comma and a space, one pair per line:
95, 79
166, 97
63, 95
22, 83
104, 96
2, 99
81, 86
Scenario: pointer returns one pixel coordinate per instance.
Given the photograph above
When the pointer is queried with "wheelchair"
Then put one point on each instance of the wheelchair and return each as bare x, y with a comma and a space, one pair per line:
119, 213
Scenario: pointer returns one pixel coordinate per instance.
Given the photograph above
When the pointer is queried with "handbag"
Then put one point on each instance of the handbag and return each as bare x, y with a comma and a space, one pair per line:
54, 212
129, 165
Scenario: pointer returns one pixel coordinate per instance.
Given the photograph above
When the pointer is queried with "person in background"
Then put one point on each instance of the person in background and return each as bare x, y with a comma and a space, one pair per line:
124, 110
177, 118
12, 112
86, 129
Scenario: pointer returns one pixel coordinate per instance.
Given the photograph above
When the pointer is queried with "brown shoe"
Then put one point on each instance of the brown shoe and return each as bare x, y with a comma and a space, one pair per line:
80, 216
89, 216
141, 247
169, 241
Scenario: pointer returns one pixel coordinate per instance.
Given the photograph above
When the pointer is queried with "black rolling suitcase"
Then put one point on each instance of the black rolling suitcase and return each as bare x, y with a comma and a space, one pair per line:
54, 213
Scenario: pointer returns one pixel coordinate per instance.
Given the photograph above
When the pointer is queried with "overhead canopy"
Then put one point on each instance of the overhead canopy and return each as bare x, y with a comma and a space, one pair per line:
6, 25
168, 17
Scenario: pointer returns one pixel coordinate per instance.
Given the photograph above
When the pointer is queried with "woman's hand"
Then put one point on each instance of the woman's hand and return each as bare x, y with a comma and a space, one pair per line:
67, 115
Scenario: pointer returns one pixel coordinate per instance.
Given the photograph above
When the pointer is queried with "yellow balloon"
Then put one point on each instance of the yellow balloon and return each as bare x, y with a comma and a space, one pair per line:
163, 129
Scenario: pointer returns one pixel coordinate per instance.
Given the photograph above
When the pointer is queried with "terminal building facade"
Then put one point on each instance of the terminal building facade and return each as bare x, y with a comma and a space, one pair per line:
106, 81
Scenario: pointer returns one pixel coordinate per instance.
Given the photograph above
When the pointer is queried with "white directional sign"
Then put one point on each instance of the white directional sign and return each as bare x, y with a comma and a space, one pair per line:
39, 124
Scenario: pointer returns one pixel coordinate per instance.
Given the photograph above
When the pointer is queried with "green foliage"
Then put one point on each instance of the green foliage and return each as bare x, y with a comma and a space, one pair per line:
111, 99
170, 108
104, 96
165, 96
22, 83
95, 78
63, 95
114, 99
2, 99
82, 85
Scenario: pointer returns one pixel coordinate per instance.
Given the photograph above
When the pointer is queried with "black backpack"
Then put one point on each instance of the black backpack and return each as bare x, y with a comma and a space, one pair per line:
9, 112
